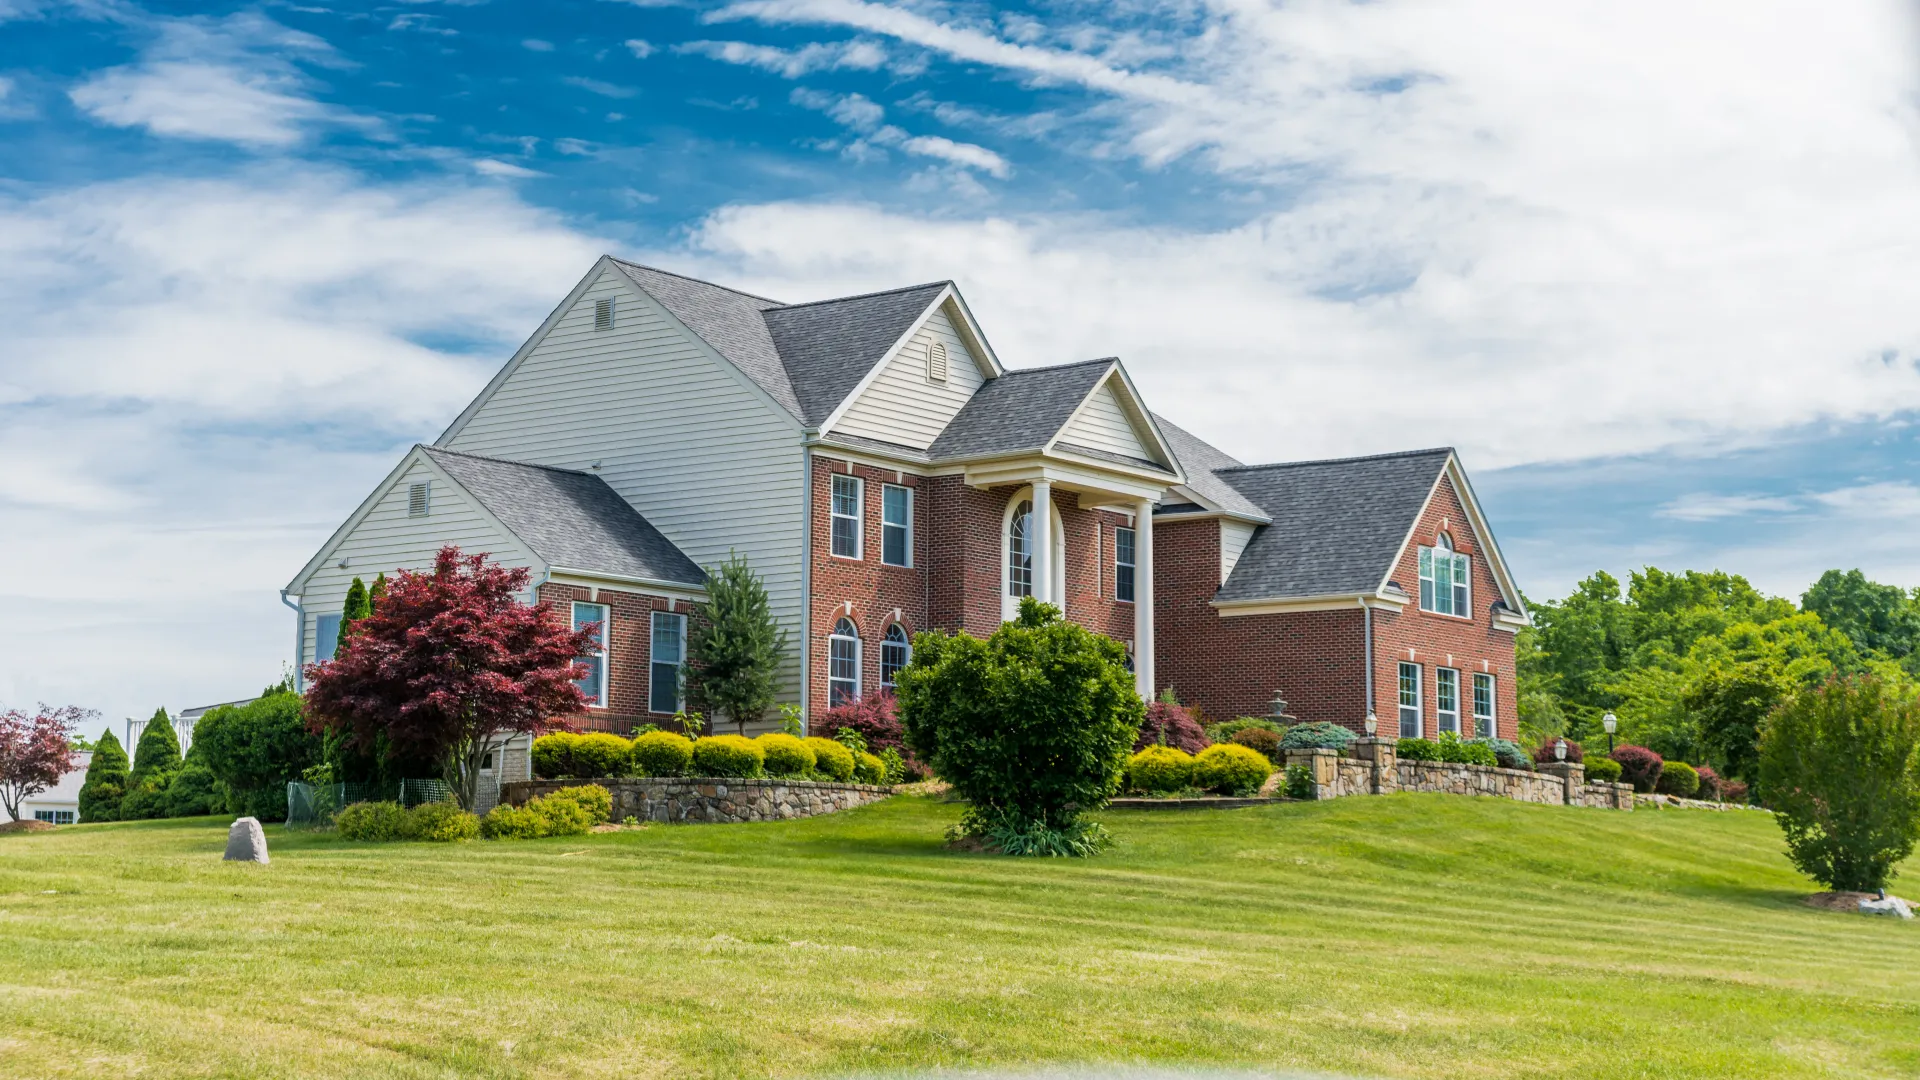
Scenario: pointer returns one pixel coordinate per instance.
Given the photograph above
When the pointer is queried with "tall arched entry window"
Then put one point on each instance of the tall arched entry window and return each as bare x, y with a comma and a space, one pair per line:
1016, 555
843, 664
895, 651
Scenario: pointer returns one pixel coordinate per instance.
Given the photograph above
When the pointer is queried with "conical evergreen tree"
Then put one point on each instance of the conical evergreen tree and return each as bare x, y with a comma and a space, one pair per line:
379, 590
735, 647
106, 781
158, 749
356, 608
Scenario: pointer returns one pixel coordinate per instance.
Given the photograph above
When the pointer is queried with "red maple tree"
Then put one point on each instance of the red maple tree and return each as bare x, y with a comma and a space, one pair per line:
450, 666
35, 752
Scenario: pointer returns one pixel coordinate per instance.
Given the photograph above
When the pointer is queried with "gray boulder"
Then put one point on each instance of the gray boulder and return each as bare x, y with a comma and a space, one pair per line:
247, 842
1892, 905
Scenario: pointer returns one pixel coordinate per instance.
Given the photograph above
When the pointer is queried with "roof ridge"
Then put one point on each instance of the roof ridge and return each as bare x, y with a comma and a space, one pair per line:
700, 281
1338, 461
505, 461
865, 295
1063, 367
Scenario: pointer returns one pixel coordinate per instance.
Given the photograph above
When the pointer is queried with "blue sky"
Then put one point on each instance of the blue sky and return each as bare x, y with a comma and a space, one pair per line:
1648, 265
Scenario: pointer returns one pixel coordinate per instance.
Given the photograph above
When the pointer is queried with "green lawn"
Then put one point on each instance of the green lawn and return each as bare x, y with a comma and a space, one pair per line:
1403, 936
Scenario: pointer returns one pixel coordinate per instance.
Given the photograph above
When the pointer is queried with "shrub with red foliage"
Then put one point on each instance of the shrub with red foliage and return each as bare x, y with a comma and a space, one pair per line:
1710, 783
1544, 752
1259, 740
34, 751
876, 717
1639, 766
1172, 725
1734, 791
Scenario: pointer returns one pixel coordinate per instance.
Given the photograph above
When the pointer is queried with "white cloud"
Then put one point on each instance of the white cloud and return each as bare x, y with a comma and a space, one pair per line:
536, 45
639, 48
861, 114
1705, 507
1876, 502
597, 86
791, 63
506, 169
959, 153
229, 80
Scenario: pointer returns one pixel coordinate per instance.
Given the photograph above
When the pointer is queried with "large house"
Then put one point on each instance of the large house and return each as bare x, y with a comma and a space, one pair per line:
885, 473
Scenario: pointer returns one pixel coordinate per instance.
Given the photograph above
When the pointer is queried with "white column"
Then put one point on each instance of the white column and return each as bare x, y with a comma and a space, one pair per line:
1041, 537
1143, 598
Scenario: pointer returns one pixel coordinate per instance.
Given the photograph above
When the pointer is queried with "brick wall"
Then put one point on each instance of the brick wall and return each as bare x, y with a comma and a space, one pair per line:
629, 644
866, 590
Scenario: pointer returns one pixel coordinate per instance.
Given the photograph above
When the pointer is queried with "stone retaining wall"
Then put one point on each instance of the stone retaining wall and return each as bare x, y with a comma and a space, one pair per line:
711, 799
1374, 769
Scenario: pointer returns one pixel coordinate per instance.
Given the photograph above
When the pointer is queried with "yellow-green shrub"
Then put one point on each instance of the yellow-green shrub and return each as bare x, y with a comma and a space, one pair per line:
1231, 769
662, 753
1160, 769
831, 760
870, 769
727, 755
374, 822
785, 755
439, 822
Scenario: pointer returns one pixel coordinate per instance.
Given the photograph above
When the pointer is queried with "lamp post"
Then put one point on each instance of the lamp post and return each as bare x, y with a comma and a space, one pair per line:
1610, 722
1559, 749
1373, 724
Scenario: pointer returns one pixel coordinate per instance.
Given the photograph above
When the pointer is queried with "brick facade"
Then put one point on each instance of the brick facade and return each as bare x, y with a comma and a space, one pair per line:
866, 590
629, 645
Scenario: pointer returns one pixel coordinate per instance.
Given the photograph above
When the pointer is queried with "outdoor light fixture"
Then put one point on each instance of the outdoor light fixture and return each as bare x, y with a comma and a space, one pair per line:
1559, 749
1610, 722
1373, 724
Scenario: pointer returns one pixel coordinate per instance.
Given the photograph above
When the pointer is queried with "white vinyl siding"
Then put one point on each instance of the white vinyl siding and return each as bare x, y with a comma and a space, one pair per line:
901, 405
389, 539
710, 461
1103, 424
1234, 537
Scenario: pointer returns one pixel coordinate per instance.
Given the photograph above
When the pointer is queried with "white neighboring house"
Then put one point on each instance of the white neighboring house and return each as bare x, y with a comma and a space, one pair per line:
182, 728
60, 804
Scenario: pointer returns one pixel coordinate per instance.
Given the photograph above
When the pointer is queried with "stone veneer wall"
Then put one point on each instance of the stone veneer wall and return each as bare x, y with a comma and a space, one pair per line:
1376, 770
711, 799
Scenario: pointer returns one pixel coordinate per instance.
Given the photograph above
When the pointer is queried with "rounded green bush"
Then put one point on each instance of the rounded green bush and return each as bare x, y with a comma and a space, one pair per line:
1318, 735
553, 755
439, 822
573, 810
505, 822
662, 753
786, 755
601, 754
1160, 769
1225, 730
1678, 778
727, 755
831, 760
1417, 750
1603, 771
371, 822
1230, 769
870, 769
1454, 751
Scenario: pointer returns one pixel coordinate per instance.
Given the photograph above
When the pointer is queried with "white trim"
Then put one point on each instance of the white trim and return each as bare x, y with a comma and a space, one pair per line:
605, 653
859, 660
1133, 566
858, 517
993, 369
1419, 705
1386, 599
884, 488
886, 642
1492, 716
638, 586
1010, 604
1138, 414
680, 665
1440, 714
1496, 563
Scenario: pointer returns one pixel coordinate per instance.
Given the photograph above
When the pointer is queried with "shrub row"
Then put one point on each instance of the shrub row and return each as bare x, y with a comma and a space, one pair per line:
568, 812
1223, 768
379, 822
567, 756
1448, 748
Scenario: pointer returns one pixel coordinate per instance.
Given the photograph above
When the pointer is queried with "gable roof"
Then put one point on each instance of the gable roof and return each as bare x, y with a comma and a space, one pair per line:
729, 320
829, 346
1337, 525
570, 519
1020, 410
1199, 461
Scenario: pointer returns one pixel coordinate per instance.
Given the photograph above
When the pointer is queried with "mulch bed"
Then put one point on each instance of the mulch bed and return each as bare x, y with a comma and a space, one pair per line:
1848, 902
26, 826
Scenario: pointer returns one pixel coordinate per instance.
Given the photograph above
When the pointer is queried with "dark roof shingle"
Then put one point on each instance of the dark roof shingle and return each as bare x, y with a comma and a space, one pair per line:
1199, 461
570, 519
1020, 410
829, 346
1337, 525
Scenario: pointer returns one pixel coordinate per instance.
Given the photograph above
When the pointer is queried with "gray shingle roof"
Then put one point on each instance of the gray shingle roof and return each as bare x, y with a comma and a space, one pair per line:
1199, 460
1337, 525
570, 519
829, 346
728, 320
1020, 410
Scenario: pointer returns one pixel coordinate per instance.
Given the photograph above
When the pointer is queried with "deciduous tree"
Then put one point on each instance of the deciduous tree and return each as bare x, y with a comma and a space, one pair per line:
451, 665
34, 752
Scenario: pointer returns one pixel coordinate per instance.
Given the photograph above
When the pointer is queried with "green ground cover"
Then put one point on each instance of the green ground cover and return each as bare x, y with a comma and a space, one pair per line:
1409, 935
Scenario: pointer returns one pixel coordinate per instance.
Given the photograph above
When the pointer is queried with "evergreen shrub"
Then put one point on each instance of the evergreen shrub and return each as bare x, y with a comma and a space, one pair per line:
1318, 735
1225, 730
727, 755
785, 755
1603, 771
1456, 751
870, 769
1508, 754
195, 791
505, 822
1639, 766
662, 753
371, 822
588, 802
1417, 750
1160, 769
1678, 778
439, 822
1230, 769
106, 782
566, 755
831, 761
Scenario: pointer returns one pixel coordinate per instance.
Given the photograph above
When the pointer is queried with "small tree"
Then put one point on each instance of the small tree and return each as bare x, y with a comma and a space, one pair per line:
357, 607
34, 752
1838, 768
1032, 726
106, 782
253, 750
376, 591
451, 666
734, 651
158, 750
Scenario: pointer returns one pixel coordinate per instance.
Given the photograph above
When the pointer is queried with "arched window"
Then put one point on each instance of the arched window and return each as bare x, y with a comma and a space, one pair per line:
1020, 550
895, 651
843, 664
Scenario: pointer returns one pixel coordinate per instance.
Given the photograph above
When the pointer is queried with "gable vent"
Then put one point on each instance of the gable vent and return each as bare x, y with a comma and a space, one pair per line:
937, 362
417, 499
603, 314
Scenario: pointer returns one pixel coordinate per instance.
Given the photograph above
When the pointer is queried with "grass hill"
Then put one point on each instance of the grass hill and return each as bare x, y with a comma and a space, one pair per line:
1405, 936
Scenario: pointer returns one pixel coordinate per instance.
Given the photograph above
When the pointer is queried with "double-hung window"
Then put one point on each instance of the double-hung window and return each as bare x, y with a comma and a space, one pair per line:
1410, 720
896, 525
843, 664
846, 516
895, 651
594, 685
1483, 723
1445, 579
326, 636
666, 655
1446, 699
1123, 565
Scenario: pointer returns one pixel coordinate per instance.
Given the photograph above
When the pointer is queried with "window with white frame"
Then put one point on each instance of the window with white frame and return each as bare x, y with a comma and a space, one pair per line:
326, 637
1123, 566
843, 664
666, 656
1444, 579
54, 817
1410, 719
594, 685
895, 651
1020, 550
896, 525
846, 516
1483, 723
1446, 699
